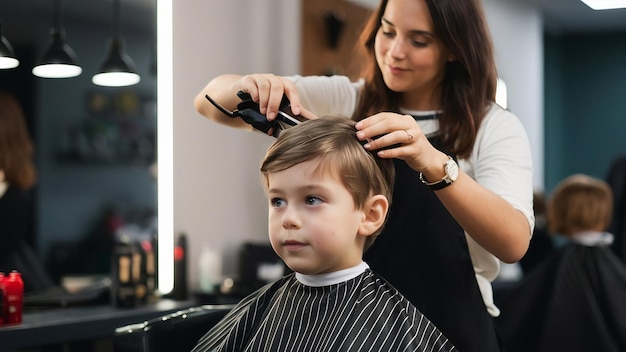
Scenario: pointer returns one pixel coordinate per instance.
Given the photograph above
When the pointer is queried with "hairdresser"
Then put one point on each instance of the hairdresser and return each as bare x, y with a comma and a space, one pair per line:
463, 190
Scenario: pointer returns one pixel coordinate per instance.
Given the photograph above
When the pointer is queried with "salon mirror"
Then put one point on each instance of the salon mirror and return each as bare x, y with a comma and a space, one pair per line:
95, 146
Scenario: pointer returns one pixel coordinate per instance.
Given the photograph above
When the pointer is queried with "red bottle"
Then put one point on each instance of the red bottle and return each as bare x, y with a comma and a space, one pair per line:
3, 301
14, 293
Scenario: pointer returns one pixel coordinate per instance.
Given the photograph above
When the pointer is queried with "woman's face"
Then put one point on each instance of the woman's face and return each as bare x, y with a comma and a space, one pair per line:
411, 58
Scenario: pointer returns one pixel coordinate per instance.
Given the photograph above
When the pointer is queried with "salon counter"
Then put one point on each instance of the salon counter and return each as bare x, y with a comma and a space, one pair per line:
66, 325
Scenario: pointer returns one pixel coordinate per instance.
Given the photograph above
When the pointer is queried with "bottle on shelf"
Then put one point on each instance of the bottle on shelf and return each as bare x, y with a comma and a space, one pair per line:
180, 269
123, 290
3, 312
14, 297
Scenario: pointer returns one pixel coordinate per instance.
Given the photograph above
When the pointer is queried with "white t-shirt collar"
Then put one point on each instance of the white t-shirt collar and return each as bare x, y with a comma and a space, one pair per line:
332, 278
426, 119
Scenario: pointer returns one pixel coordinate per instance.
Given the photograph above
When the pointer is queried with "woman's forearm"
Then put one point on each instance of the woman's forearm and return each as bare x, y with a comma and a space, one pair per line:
488, 218
223, 90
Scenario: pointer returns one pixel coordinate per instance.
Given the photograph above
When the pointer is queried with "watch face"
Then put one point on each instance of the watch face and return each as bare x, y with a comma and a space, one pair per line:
452, 170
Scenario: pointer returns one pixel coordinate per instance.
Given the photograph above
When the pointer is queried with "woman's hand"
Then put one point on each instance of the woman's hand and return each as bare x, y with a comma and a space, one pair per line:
399, 136
265, 89
268, 90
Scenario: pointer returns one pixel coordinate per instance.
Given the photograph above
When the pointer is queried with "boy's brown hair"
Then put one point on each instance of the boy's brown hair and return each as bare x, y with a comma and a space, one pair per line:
580, 203
333, 141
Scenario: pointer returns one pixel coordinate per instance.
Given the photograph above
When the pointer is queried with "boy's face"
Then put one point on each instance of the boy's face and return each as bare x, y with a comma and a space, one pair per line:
313, 223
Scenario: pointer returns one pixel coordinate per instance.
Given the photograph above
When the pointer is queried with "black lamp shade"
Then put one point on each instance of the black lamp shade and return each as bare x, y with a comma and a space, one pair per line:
118, 69
59, 60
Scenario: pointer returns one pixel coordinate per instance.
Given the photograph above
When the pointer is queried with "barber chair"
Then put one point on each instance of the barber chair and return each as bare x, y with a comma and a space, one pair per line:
178, 331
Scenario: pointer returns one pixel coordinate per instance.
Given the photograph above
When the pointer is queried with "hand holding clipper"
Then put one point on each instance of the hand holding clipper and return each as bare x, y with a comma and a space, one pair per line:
248, 110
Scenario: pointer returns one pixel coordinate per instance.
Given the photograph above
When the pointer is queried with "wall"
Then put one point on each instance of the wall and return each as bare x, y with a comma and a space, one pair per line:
516, 27
585, 103
218, 198
319, 56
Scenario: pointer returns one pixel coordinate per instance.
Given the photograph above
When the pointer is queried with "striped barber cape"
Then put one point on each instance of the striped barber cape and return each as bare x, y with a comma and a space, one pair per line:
364, 313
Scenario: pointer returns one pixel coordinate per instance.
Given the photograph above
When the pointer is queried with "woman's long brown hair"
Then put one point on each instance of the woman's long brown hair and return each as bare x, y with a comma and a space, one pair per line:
469, 83
16, 148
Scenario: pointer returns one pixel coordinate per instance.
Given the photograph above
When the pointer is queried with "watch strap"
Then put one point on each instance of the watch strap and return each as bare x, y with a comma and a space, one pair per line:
435, 186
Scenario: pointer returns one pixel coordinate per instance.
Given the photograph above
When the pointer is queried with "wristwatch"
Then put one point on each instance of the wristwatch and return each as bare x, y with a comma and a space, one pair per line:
452, 172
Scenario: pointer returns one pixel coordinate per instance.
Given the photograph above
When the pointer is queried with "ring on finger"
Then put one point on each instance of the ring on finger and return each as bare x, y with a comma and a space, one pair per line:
408, 134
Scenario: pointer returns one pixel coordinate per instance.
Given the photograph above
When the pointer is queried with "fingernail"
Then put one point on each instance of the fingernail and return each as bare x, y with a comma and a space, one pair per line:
360, 134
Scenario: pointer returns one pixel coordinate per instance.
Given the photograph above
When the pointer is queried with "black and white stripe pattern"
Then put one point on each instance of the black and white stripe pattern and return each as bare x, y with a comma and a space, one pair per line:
362, 314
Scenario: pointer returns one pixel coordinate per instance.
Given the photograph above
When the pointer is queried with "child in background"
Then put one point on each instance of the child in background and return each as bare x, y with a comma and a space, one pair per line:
328, 200
574, 301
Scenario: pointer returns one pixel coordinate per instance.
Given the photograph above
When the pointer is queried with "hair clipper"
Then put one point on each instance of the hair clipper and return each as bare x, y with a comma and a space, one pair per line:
248, 110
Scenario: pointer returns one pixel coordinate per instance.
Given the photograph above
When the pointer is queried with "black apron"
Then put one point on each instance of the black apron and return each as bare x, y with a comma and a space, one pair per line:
423, 252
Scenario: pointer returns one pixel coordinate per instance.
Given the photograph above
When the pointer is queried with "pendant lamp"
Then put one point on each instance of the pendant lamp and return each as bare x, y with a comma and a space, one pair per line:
118, 70
7, 55
59, 60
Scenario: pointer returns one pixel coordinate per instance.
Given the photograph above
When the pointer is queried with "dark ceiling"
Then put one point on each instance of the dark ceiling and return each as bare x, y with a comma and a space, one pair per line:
573, 16
18, 15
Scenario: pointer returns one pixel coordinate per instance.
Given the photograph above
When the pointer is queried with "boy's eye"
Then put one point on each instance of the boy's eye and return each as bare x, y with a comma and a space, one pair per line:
312, 200
277, 202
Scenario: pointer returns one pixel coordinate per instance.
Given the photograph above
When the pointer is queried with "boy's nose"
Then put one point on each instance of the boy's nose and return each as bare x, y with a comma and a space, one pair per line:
291, 219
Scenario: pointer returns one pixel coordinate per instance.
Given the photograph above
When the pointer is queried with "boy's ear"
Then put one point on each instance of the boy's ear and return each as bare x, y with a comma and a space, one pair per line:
375, 212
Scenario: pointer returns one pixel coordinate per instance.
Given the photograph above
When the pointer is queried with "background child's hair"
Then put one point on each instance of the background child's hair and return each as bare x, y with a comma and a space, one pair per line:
580, 203
332, 139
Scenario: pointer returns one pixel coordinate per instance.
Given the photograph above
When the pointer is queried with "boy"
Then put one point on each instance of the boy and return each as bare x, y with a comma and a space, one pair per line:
328, 200
574, 300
